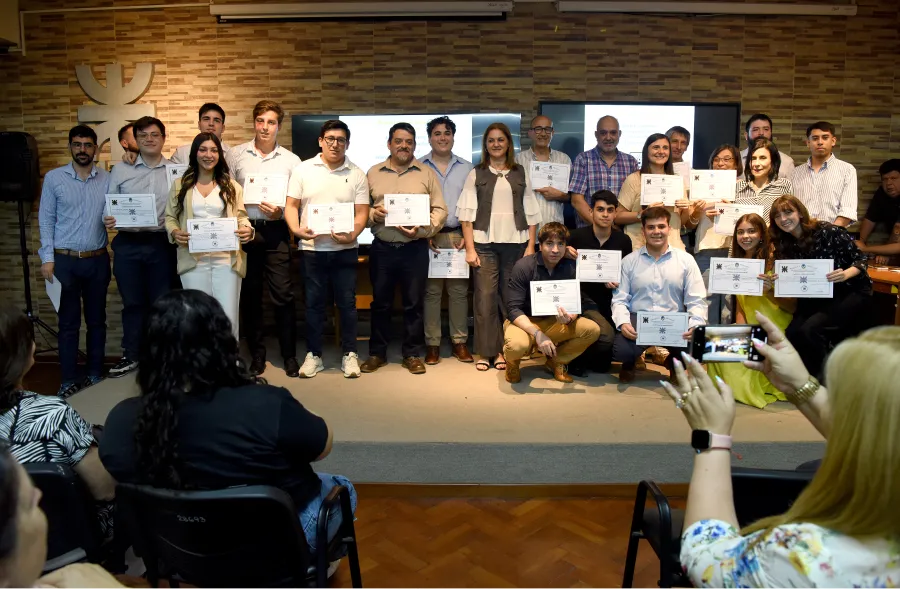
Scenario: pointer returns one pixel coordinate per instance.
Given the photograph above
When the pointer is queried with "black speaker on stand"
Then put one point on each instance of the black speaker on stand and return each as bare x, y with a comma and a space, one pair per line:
19, 183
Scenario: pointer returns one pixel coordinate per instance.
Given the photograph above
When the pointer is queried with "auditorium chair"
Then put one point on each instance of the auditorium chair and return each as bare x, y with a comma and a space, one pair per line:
236, 537
73, 533
758, 493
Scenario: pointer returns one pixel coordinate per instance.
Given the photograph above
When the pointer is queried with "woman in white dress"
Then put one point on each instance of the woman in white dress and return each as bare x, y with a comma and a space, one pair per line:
207, 191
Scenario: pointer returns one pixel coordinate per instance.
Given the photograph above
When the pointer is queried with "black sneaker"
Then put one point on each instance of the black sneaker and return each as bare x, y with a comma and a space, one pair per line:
292, 367
67, 389
90, 381
257, 366
124, 366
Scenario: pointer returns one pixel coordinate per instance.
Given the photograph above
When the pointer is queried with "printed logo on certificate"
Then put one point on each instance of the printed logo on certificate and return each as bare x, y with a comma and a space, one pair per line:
407, 210
271, 188
804, 279
662, 329
599, 265
338, 217
736, 276
713, 185
547, 296
448, 263
546, 174
133, 210
662, 188
174, 172
729, 214
212, 235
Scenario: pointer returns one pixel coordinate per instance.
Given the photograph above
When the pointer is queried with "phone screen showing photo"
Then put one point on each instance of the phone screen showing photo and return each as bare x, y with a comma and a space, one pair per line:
730, 343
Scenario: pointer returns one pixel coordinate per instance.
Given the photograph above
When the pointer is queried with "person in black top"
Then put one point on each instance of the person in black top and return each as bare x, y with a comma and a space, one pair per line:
884, 209
561, 337
601, 235
821, 323
203, 422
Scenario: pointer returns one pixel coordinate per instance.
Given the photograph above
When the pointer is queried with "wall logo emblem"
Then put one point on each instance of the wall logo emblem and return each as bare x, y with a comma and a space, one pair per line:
115, 100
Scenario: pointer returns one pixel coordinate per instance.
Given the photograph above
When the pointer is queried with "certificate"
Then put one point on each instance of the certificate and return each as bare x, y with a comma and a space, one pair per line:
713, 185
271, 188
132, 210
683, 169
804, 279
544, 174
174, 172
661, 188
548, 295
599, 265
212, 235
736, 276
448, 263
729, 214
662, 329
322, 219
407, 210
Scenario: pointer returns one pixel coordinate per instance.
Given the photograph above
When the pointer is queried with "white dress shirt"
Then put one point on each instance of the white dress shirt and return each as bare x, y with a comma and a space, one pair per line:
246, 159
829, 193
551, 210
787, 163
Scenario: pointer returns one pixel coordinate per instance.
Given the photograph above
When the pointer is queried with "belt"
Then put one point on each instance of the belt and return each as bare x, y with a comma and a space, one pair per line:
256, 222
77, 254
398, 244
448, 229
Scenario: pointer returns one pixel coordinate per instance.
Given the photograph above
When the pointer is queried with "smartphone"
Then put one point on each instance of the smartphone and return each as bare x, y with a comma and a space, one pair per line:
726, 343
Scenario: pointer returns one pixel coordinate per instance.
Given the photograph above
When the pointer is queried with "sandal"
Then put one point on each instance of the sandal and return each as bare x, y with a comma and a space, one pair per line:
482, 366
500, 363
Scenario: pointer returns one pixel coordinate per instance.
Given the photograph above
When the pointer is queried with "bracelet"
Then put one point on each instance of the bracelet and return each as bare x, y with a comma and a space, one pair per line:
805, 393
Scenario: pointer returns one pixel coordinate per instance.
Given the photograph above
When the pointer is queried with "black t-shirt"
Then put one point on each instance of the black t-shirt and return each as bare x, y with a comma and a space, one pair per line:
584, 238
250, 435
884, 209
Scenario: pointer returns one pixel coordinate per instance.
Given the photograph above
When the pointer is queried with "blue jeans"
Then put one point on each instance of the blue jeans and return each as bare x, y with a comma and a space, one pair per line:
321, 271
309, 517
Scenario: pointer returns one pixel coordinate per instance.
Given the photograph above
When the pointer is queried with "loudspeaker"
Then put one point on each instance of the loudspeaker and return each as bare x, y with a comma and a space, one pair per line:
19, 167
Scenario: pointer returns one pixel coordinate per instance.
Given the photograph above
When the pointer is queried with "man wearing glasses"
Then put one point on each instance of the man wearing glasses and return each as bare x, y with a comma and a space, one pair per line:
144, 259
550, 200
602, 168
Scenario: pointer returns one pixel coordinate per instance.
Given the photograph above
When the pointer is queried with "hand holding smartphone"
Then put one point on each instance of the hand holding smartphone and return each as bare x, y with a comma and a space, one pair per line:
726, 343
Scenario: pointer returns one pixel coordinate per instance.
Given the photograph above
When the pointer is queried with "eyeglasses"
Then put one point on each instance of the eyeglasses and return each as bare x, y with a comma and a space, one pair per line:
143, 136
342, 141
80, 145
604, 133
539, 130
723, 160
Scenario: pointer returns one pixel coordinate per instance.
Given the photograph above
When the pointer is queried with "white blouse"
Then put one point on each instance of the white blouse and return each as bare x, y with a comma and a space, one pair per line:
210, 207
503, 223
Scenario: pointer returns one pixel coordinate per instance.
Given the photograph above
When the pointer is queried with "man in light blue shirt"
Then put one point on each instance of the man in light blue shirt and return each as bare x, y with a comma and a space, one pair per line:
73, 251
655, 278
452, 172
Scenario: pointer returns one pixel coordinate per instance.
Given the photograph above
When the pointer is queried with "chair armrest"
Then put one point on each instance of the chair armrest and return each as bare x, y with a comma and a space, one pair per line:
331, 502
663, 509
70, 557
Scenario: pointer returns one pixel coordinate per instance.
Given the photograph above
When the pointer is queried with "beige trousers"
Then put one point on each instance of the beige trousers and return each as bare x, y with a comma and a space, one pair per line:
570, 340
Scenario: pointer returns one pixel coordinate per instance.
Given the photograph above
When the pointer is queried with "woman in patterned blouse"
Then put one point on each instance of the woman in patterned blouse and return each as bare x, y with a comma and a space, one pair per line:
820, 323
844, 528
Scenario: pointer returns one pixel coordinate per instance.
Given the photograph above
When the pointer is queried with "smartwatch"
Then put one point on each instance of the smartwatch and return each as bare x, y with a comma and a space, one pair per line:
702, 440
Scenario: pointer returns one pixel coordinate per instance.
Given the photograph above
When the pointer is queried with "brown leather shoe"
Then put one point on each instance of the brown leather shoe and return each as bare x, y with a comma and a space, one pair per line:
461, 353
432, 355
626, 374
414, 364
372, 364
559, 371
513, 375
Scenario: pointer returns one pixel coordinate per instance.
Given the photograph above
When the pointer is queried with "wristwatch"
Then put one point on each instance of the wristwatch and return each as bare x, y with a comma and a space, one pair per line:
702, 440
806, 392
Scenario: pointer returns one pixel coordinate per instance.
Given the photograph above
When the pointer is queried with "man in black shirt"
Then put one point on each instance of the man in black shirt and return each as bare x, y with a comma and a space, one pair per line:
561, 337
601, 235
884, 208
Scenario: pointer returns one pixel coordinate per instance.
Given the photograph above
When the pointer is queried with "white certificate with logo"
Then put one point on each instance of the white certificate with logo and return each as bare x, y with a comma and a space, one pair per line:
271, 188
662, 329
804, 279
728, 215
545, 174
132, 210
322, 219
736, 276
661, 188
713, 185
407, 210
448, 263
548, 295
174, 172
212, 235
599, 265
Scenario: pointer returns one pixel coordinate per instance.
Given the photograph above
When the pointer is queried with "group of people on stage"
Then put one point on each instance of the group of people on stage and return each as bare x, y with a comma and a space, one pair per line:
512, 233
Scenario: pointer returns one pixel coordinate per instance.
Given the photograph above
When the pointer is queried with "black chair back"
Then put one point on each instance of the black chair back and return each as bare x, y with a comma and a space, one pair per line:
238, 537
760, 493
73, 533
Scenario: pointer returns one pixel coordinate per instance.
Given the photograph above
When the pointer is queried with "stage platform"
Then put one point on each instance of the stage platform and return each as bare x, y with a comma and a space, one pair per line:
457, 425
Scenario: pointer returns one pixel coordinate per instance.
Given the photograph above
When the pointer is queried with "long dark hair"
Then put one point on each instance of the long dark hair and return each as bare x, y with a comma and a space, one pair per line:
221, 175
16, 338
774, 157
645, 154
187, 348
510, 147
786, 246
762, 249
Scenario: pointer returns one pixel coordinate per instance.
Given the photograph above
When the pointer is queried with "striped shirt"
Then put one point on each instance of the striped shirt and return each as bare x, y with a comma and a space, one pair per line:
142, 179
71, 211
590, 174
787, 163
551, 210
746, 194
246, 159
829, 193
182, 155
451, 184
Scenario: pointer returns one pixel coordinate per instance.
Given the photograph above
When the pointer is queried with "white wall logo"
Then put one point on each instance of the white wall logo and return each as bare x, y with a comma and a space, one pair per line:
115, 108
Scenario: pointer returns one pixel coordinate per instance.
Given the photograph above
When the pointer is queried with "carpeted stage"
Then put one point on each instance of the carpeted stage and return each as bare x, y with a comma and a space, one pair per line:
457, 425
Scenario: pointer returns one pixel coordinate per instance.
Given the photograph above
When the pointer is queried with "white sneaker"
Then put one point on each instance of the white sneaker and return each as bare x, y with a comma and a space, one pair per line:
312, 366
350, 365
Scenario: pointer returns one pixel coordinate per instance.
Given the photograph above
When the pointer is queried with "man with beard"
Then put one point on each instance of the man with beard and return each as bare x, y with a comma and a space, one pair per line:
400, 254
73, 251
128, 142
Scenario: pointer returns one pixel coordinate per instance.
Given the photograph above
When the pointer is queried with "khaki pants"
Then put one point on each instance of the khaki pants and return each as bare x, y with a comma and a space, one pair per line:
570, 340
458, 293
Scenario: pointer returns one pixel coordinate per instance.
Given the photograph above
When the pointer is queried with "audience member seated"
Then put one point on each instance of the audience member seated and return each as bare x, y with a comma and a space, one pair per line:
751, 241
842, 529
43, 428
657, 278
819, 323
561, 337
23, 536
203, 422
884, 209
597, 297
